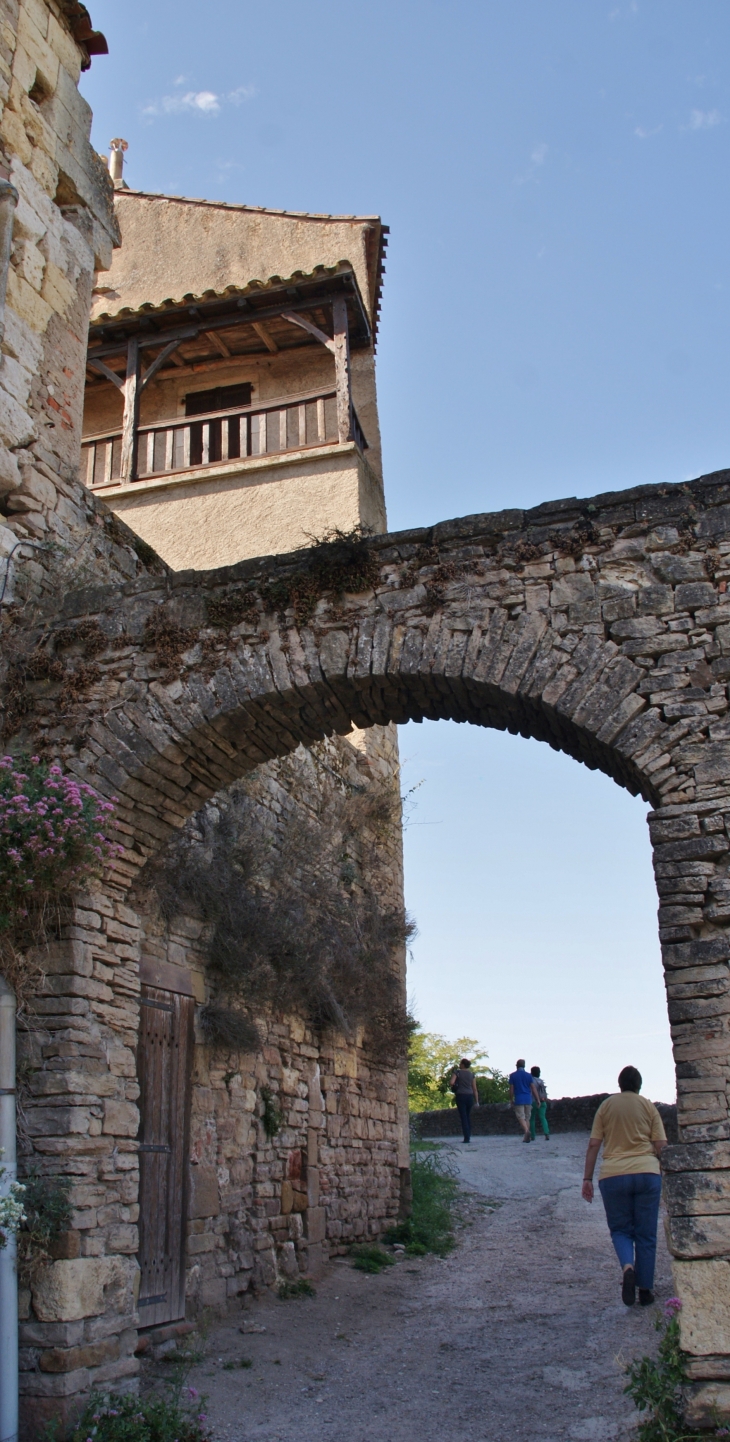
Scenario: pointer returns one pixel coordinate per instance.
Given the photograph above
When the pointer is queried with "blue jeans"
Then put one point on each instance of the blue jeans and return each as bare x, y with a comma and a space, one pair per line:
632, 1212
464, 1106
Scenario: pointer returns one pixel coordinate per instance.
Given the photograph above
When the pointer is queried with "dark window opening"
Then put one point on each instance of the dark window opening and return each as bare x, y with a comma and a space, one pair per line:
223, 398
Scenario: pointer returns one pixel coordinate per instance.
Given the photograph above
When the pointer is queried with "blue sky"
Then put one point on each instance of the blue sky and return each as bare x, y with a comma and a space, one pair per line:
555, 323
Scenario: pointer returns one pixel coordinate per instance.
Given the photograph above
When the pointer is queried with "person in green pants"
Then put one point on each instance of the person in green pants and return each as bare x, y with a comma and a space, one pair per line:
539, 1104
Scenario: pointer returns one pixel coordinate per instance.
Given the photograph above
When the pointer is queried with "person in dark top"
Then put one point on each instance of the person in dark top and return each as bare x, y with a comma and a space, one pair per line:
464, 1086
520, 1095
539, 1104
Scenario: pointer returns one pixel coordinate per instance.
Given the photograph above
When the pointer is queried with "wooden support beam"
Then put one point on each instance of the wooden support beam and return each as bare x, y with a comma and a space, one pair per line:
264, 335
159, 361
108, 374
309, 326
216, 340
343, 380
132, 388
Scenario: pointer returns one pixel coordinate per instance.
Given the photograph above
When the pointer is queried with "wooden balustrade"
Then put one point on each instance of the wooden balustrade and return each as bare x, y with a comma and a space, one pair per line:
220, 436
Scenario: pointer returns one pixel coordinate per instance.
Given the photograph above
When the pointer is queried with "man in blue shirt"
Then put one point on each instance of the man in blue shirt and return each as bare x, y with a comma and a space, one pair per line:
520, 1095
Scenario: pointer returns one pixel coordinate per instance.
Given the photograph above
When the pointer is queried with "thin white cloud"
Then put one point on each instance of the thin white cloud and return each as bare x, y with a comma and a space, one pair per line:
537, 158
704, 120
196, 102
243, 92
644, 134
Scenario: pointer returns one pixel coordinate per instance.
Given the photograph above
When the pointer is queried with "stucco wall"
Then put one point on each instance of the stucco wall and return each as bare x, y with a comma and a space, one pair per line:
255, 509
174, 247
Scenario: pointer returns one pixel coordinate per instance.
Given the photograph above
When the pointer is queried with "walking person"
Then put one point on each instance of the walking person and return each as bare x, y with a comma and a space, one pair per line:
464, 1086
520, 1095
539, 1104
633, 1137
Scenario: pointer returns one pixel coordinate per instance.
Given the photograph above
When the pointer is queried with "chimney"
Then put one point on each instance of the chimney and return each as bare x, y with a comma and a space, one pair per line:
116, 163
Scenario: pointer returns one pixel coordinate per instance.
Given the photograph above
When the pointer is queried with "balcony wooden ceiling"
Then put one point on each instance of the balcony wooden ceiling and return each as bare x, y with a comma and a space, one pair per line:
239, 325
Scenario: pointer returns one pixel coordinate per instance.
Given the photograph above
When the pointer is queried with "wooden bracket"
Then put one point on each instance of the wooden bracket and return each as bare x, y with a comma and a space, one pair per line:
108, 374
313, 329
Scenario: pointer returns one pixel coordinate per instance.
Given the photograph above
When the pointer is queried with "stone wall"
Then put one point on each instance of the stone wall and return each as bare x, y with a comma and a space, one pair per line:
261, 1208
497, 1119
64, 228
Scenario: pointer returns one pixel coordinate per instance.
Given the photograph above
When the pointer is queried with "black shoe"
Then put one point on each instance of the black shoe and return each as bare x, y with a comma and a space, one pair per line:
528, 1139
628, 1288
547, 1138
646, 1296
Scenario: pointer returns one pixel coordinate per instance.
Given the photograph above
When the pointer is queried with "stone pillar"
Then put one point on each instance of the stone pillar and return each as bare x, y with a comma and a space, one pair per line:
78, 1309
691, 855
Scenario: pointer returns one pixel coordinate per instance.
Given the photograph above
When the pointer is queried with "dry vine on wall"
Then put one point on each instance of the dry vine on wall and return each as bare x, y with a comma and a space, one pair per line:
298, 909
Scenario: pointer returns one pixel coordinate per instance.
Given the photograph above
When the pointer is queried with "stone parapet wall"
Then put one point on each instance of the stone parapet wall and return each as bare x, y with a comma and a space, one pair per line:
497, 1119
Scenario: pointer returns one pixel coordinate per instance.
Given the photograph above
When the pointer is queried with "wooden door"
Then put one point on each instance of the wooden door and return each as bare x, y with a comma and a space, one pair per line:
164, 1062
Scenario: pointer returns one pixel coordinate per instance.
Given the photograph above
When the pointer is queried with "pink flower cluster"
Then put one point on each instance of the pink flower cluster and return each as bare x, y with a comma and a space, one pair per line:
53, 833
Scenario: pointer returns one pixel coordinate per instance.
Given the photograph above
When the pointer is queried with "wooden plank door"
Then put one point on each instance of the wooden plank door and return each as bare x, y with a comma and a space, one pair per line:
164, 1063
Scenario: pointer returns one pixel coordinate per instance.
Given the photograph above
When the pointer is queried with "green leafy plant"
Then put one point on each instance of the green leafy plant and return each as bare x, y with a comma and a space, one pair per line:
155, 1418
432, 1061
271, 1115
300, 1288
47, 1207
656, 1386
430, 1225
234, 1365
371, 1258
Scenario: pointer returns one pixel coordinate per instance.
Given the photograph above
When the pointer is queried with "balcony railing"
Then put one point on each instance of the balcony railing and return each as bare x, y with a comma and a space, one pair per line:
208, 440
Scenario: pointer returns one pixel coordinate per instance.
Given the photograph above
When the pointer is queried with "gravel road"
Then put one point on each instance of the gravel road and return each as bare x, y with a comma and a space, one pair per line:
518, 1336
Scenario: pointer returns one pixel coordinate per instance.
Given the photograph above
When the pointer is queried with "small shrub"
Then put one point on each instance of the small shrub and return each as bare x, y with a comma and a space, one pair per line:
371, 1259
142, 1419
47, 1212
52, 836
300, 1288
656, 1386
339, 564
233, 1365
429, 1227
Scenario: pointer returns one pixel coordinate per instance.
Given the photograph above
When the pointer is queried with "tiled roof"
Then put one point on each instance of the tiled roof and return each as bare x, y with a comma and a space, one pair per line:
254, 287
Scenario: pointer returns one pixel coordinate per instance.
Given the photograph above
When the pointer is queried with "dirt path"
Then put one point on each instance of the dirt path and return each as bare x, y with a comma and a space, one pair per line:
518, 1336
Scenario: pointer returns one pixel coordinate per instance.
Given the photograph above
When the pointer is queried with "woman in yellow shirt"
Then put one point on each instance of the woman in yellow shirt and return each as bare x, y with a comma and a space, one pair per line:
632, 1133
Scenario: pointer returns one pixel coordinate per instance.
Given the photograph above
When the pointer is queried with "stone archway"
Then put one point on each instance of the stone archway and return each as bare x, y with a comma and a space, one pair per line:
601, 627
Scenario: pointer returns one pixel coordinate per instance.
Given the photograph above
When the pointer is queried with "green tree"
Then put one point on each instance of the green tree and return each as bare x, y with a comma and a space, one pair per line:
432, 1061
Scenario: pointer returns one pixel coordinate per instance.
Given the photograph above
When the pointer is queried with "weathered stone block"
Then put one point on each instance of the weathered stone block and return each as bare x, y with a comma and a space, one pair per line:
204, 1195
68, 1290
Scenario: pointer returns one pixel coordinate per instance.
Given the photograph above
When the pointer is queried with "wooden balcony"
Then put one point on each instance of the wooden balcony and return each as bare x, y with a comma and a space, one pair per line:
283, 425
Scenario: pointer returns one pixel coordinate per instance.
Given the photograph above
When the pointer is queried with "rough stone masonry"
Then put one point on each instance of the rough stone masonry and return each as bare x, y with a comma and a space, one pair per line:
601, 627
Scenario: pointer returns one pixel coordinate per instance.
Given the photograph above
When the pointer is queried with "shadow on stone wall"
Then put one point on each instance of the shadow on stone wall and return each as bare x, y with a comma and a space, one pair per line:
566, 1114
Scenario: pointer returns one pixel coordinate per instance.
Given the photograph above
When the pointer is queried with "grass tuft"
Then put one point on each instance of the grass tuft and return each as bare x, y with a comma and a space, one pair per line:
300, 1288
430, 1226
371, 1258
